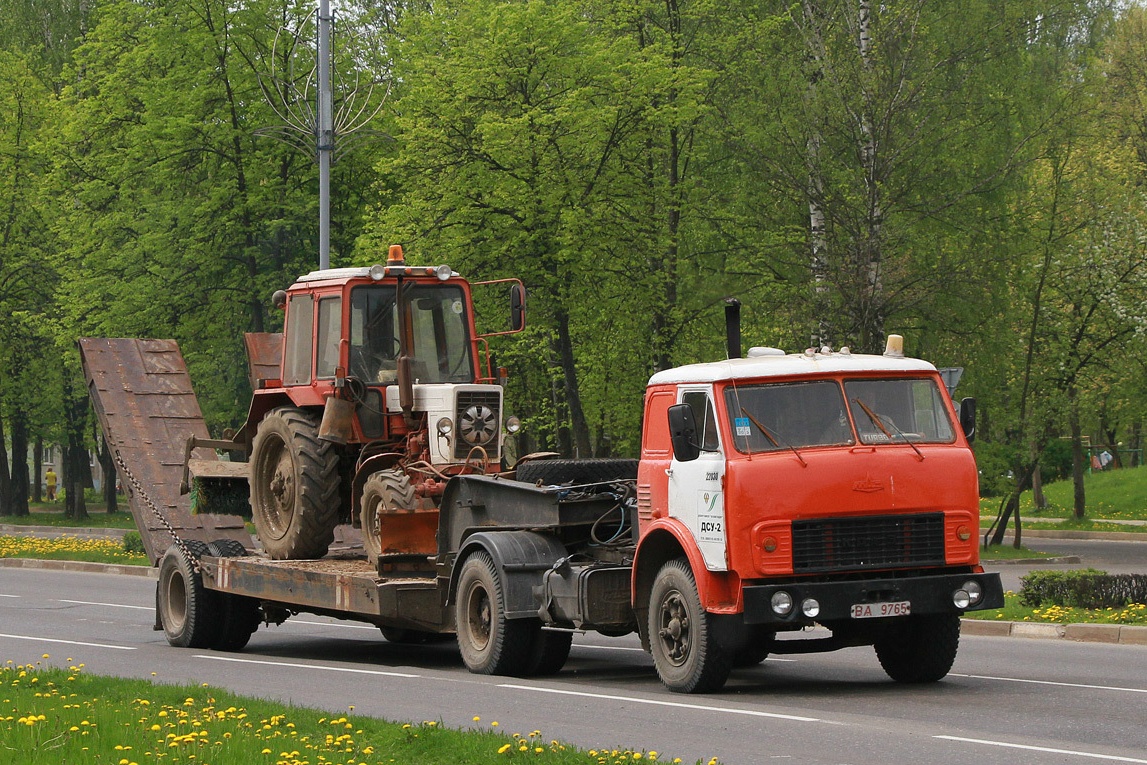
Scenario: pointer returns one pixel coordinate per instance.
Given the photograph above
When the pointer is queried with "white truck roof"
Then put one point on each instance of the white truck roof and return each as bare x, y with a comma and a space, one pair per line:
773, 363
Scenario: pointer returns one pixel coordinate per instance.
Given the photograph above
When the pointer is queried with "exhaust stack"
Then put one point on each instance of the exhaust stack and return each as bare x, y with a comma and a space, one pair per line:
733, 328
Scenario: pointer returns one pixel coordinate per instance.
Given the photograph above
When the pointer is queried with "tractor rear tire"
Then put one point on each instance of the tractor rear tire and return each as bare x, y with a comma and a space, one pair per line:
577, 472
922, 649
294, 486
188, 611
686, 652
386, 491
240, 614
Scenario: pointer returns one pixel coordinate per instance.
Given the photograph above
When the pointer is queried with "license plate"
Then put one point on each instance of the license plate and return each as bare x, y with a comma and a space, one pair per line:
877, 610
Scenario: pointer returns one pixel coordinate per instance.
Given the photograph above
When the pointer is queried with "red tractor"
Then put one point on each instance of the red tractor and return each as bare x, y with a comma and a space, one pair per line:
385, 390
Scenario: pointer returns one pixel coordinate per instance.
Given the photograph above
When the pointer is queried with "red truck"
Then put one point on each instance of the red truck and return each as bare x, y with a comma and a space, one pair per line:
773, 494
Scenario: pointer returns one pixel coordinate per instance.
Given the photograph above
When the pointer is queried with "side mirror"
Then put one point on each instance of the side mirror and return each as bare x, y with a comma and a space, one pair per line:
968, 418
683, 433
517, 307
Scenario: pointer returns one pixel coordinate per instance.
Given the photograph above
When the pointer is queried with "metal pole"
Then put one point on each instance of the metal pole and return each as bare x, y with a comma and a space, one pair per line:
325, 138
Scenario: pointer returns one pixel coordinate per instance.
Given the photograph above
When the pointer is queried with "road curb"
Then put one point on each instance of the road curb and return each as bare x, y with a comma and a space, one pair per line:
1121, 634
76, 565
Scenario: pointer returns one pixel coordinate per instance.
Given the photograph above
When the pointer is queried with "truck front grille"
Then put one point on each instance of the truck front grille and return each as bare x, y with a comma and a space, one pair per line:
478, 415
845, 544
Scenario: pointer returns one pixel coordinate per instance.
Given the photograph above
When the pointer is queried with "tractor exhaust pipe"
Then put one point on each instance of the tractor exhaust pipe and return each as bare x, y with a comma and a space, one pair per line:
733, 328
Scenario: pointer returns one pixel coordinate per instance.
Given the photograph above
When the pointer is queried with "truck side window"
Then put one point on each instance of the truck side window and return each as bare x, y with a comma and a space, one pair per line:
706, 420
297, 361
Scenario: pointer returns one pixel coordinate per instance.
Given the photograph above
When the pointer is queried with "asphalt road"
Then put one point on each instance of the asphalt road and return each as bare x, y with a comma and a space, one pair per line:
1012, 701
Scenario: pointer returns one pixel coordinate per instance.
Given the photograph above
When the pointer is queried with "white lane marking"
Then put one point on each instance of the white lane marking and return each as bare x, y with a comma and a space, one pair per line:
1049, 750
658, 703
1053, 682
2, 595
68, 642
321, 667
642, 650
108, 605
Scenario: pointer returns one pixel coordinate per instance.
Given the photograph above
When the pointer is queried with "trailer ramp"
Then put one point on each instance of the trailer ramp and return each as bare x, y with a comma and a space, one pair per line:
142, 395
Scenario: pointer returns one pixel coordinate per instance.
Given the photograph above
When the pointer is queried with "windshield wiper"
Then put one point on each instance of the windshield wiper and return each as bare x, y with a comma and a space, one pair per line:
769, 435
878, 422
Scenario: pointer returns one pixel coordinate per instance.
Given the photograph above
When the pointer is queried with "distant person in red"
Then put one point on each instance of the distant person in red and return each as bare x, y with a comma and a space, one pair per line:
50, 480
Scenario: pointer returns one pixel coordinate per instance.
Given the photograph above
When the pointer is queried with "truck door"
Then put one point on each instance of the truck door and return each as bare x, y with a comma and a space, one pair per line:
696, 488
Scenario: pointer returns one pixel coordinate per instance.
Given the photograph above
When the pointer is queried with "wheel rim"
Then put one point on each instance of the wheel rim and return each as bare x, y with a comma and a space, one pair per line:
176, 611
674, 628
278, 502
478, 618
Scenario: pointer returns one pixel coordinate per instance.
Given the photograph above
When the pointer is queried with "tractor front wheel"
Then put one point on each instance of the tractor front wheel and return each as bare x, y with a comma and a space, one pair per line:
386, 491
294, 486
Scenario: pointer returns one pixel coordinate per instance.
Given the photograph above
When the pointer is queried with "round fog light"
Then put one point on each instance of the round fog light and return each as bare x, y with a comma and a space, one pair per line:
810, 607
782, 603
961, 599
975, 592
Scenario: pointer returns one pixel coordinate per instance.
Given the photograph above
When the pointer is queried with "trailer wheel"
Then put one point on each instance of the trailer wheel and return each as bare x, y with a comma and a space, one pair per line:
405, 636
188, 611
685, 650
241, 615
294, 486
490, 643
554, 472
386, 491
549, 652
921, 650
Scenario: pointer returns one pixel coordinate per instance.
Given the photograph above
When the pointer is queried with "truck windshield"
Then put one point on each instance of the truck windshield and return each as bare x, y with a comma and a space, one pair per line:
773, 417
439, 326
899, 411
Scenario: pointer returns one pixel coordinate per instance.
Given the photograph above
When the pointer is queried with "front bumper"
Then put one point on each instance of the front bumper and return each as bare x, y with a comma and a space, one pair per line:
926, 594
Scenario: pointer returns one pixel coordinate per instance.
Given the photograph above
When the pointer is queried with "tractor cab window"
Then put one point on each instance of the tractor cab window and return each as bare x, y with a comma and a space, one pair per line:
439, 328
899, 411
773, 417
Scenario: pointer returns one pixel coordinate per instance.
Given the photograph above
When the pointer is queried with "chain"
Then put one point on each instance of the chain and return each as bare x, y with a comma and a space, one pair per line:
138, 487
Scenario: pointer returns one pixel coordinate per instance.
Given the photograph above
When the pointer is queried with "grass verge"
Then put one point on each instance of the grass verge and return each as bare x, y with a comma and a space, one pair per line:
1007, 552
62, 714
1015, 611
53, 515
70, 548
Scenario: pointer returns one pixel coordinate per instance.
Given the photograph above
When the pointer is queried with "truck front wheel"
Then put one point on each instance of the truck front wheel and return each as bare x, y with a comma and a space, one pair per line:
921, 650
490, 643
294, 486
685, 650
188, 611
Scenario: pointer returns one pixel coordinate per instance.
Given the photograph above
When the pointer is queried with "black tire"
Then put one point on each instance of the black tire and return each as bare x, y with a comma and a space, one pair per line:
576, 472
294, 486
921, 650
240, 615
753, 645
384, 491
188, 611
549, 652
490, 643
685, 650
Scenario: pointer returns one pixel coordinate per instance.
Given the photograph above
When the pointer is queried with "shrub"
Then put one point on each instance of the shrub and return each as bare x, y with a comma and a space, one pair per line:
1083, 588
133, 542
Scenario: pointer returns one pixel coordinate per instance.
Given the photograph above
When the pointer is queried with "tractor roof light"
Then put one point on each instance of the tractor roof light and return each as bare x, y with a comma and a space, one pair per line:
377, 272
443, 272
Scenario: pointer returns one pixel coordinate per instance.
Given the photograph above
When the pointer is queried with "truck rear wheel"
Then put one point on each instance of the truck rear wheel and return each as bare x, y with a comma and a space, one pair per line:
294, 486
685, 650
549, 653
386, 491
490, 643
921, 650
240, 615
188, 611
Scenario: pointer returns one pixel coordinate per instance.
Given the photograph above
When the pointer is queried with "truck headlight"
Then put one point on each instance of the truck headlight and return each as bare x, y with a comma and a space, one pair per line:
782, 603
975, 592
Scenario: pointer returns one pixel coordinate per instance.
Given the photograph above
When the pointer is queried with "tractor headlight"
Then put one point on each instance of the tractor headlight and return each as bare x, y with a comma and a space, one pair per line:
445, 427
513, 424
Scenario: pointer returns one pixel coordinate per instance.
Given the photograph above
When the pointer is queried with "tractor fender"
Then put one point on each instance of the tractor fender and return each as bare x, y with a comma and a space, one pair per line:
520, 558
